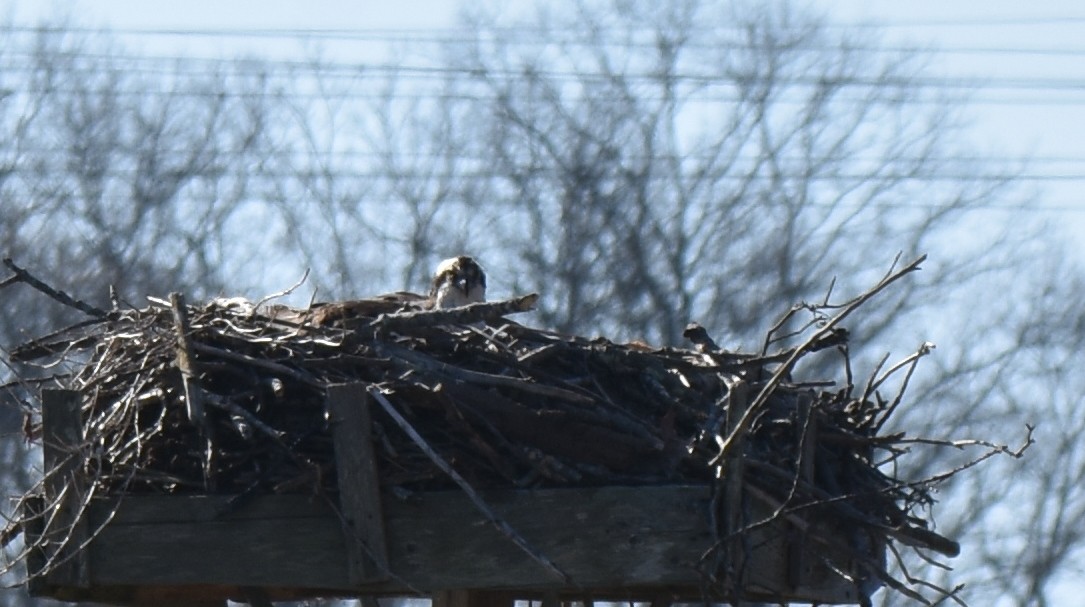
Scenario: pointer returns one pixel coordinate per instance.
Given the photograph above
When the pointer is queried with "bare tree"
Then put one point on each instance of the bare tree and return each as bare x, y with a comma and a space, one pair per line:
636, 153
125, 179
640, 164
117, 175
1020, 521
643, 165
370, 195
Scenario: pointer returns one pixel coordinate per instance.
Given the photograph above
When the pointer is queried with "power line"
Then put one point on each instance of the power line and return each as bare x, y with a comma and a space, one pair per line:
985, 90
466, 36
422, 175
961, 165
176, 65
1068, 207
468, 31
964, 159
441, 73
1002, 21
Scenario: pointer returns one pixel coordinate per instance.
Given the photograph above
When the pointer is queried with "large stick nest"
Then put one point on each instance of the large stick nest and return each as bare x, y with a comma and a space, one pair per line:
503, 404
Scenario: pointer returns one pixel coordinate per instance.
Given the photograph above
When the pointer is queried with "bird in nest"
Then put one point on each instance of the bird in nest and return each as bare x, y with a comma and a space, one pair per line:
457, 281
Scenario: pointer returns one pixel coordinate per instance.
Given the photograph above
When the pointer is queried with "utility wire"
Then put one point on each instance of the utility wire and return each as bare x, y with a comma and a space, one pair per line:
370, 199
522, 37
173, 66
425, 175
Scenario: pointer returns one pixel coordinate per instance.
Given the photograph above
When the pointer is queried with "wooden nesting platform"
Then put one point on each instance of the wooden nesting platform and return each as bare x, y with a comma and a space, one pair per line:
621, 543
237, 451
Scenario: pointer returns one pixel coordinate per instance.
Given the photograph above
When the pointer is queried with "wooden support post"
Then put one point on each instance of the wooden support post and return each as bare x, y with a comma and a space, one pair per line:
450, 598
194, 397
256, 597
348, 408
186, 361
807, 438
737, 402
473, 598
62, 441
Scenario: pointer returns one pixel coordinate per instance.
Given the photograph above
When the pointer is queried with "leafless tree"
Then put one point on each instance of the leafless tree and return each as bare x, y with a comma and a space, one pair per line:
124, 176
639, 164
370, 196
117, 175
643, 165
1020, 521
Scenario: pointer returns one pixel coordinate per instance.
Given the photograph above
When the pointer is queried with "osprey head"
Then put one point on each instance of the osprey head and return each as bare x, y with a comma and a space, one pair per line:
458, 281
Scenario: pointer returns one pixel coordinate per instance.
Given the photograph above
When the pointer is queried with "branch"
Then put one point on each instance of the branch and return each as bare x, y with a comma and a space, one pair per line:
282, 293
273, 366
462, 315
911, 362
754, 410
22, 275
501, 524
418, 360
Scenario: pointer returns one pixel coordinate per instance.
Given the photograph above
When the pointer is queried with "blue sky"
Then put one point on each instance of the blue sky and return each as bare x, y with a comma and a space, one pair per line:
1026, 59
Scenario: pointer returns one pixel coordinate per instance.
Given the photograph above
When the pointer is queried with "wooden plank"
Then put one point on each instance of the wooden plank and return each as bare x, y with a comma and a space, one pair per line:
33, 515
473, 598
62, 442
620, 542
194, 396
602, 537
645, 534
186, 361
807, 437
736, 515
348, 408
265, 543
450, 598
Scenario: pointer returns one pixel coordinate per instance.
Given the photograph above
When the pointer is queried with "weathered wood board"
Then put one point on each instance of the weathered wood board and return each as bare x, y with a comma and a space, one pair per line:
614, 542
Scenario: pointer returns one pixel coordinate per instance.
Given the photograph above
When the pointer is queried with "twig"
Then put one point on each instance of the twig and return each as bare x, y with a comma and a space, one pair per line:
57, 342
492, 517
417, 360
282, 293
951, 594
770, 386
993, 450
870, 387
462, 315
911, 363
258, 362
22, 275
221, 402
909, 535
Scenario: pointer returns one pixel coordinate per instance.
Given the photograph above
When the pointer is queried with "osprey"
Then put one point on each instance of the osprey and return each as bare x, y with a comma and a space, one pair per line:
458, 281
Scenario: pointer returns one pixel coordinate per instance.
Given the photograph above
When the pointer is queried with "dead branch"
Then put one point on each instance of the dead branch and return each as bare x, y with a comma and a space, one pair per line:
417, 360
464, 315
24, 276
822, 333
492, 517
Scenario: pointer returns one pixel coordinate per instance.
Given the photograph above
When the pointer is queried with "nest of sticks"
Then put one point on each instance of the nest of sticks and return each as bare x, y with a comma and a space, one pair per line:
229, 397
